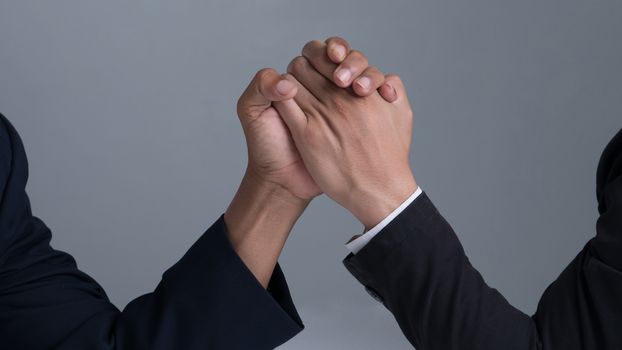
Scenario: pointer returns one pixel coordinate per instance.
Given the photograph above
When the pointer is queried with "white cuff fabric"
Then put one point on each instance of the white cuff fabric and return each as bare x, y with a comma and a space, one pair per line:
355, 245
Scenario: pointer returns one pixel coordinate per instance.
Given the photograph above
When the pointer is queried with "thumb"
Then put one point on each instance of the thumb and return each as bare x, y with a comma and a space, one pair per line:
266, 87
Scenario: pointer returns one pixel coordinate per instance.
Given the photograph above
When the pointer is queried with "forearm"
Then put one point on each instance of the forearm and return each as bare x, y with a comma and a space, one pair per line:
259, 220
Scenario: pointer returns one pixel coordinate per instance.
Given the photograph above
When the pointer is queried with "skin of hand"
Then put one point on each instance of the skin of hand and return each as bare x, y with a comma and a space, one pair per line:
347, 68
276, 187
355, 148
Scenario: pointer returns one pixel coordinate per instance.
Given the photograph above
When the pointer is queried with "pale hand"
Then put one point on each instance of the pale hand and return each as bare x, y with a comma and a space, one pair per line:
355, 148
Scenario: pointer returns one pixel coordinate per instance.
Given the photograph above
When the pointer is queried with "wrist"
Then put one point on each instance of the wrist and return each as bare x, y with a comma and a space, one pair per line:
259, 220
260, 202
370, 206
253, 181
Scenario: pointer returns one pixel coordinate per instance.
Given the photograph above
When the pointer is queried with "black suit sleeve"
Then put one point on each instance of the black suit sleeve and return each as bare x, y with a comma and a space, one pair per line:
417, 267
207, 300
582, 309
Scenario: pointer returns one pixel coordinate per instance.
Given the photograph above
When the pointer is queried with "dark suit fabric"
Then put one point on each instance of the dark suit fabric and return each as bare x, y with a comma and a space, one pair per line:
417, 267
207, 300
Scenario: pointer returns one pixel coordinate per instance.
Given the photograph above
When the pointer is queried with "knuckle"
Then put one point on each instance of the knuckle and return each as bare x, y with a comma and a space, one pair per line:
372, 70
264, 73
310, 47
341, 107
298, 64
363, 103
261, 77
375, 73
337, 40
334, 38
358, 56
409, 114
242, 107
289, 77
395, 79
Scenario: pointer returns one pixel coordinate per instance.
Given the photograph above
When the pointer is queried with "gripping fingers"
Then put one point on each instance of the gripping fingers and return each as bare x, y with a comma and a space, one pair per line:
368, 82
354, 64
315, 53
337, 49
393, 90
266, 86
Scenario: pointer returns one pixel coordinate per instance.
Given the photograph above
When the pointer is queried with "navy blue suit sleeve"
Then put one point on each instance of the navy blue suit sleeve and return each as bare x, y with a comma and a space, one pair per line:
207, 300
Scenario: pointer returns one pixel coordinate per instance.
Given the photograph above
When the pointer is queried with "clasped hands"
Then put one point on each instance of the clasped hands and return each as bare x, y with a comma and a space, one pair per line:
332, 124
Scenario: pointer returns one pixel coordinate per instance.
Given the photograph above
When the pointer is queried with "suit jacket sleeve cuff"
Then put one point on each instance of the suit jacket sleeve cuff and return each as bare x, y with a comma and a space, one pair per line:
369, 266
215, 290
360, 241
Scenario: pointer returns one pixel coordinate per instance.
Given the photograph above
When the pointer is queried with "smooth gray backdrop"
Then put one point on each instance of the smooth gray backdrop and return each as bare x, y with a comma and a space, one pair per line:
127, 111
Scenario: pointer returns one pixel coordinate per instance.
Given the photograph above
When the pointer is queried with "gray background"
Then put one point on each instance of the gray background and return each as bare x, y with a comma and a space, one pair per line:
127, 110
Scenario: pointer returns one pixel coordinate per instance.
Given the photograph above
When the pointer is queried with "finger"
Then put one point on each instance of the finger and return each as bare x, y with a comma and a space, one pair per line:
310, 79
315, 52
354, 64
368, 82
393, 90
307, 102
396, 84
337, 49
267, 86
293, 116
387, 92
303, 97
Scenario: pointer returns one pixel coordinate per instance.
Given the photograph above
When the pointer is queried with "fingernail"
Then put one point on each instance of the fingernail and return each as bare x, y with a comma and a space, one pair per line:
392, 90
284, 87
364, 83
339, 52
344, 75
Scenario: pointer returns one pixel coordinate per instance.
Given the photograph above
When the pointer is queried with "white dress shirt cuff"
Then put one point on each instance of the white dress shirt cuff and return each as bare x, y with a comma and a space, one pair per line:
355, 245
